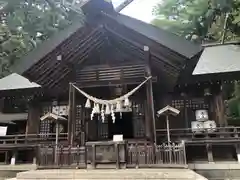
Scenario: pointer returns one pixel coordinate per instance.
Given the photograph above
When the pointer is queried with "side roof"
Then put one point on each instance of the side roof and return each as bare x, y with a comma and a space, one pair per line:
15, 81
219, 59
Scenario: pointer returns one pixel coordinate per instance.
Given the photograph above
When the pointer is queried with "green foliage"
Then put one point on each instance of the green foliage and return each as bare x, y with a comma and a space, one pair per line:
201, 20
25, 24
234, 103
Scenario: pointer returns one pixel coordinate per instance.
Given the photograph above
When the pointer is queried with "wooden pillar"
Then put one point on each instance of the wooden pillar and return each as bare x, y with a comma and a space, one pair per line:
70, 114
220, 108
73, 115
185, 113
150, 116
33, 121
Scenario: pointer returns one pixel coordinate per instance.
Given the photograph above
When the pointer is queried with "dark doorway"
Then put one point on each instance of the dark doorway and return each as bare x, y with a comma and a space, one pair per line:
123, 125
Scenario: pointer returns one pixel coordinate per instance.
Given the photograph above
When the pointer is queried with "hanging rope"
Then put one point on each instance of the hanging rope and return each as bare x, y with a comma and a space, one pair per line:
113, 101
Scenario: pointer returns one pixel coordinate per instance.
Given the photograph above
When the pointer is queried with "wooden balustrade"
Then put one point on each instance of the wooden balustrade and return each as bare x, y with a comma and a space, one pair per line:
220, 134
117, 154
30, 139
164, 155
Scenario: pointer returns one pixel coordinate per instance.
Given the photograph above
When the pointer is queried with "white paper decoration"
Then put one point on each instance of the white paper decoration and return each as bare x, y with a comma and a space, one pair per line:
97, 109
118, 107
107, 112
126, 102
88, 104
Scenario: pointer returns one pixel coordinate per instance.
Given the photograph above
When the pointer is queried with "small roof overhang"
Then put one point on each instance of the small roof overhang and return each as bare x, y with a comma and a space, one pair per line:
15, 81
221, 59
168, 110
53, 117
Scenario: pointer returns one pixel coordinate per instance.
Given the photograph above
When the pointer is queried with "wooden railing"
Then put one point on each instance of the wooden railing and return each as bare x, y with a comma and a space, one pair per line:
30, 139
164, 155
62, 157
220, 134
111, 153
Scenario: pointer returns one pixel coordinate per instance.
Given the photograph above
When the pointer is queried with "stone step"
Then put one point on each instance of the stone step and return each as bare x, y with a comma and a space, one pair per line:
140, 174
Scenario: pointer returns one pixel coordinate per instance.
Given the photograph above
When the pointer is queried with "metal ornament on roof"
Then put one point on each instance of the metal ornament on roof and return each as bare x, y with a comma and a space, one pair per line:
109, 107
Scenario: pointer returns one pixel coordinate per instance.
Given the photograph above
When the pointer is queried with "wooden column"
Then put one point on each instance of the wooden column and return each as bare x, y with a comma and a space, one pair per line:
220, 108
33, 121
150, 116
70, 118
73, 115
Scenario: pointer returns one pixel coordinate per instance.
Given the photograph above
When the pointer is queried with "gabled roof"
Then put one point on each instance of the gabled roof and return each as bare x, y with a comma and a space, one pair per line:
46, 47
166, 39
219, 59
163, 37
15, 81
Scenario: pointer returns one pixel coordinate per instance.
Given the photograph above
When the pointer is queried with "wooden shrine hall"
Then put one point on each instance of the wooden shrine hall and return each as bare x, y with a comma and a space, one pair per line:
107, 76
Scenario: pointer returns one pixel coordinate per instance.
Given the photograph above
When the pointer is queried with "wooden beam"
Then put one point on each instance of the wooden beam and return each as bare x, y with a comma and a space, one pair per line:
123, 5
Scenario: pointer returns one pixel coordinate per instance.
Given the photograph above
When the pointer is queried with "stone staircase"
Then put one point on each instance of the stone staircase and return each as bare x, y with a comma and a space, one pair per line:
110, 174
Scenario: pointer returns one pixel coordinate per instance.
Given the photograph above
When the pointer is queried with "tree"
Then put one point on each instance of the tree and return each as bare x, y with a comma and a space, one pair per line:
27, 23
201, 20
234, 103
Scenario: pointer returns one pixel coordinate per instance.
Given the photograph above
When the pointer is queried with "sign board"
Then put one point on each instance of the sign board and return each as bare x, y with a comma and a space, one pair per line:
3, 130
117, 137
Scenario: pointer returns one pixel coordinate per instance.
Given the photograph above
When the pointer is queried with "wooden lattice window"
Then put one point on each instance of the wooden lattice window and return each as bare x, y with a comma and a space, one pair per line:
194, 103
103, 128
79, 117
138, 120
45, 126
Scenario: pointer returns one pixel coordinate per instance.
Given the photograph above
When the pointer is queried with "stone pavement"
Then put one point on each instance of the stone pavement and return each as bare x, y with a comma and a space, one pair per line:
107, 174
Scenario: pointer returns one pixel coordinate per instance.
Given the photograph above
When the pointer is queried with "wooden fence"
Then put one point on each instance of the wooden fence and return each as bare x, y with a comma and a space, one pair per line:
164, 155
125, 155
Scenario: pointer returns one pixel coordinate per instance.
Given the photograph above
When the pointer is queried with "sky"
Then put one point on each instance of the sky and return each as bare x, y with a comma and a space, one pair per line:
139, 9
